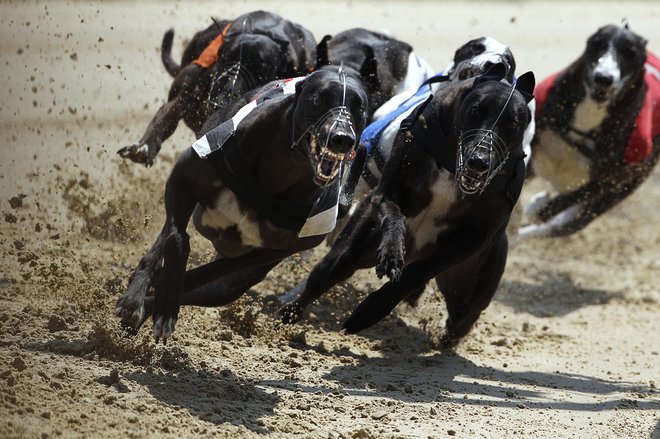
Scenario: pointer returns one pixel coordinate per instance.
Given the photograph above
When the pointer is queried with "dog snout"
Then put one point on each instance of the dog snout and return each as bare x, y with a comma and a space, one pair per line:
478, 163
342, 141
603, 79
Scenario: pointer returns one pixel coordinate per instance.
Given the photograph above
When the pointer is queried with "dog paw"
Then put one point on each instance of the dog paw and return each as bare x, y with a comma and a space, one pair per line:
290, 314
163, 328
536, 204
137, 153
390, 264
131, 307
449, 342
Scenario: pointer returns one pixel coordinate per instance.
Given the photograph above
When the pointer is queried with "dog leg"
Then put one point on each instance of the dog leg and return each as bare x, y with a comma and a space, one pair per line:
222, 267
182, 97
161, 127
226, 290
451, 250
468, 289
380, 303
131, 306
392, 251
179, 206
353, 249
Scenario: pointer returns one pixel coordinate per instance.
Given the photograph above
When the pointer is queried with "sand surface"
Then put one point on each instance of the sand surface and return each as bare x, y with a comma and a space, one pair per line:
568, 348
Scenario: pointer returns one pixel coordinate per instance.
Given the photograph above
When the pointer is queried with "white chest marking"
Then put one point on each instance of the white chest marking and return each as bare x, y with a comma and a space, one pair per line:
226, 213
559, 163
428, 223
589, 114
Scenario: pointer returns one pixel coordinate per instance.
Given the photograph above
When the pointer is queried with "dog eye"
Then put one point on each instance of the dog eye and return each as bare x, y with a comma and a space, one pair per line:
474, 111
317, 100
511, 125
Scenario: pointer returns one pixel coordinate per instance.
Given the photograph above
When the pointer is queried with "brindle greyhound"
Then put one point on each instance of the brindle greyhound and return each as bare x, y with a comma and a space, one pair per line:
441, 208
598, 134
248, 52
268, 171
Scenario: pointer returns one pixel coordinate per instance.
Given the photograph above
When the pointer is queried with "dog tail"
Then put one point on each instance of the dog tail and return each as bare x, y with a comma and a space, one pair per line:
172, 67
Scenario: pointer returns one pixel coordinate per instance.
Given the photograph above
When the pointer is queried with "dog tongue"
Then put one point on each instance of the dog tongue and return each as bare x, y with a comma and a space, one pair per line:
327, 166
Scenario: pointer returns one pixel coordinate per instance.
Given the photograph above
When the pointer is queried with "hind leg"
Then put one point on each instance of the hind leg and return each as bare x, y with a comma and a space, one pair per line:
228, 289
355, 248
469, 287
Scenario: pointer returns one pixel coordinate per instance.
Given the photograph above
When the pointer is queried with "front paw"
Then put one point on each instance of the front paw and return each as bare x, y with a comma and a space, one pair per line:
165, 318
131, 306
137, 153
389, 262
535, 206
163, 328
290, 313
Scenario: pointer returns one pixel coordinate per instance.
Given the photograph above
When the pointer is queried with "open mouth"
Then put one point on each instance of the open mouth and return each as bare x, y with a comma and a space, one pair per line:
326, 162
471, 181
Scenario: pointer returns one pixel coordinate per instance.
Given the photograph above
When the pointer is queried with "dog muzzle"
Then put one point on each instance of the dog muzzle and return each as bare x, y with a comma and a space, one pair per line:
332, 142
481, 155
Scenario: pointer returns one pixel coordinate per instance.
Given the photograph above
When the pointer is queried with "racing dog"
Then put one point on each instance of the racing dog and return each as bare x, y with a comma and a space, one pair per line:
471, 59
598, 132
248, 52
193, 50
441, 208
399, 67
261, 186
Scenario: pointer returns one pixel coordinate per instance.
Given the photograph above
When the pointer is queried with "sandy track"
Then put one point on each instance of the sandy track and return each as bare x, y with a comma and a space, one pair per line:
569, 347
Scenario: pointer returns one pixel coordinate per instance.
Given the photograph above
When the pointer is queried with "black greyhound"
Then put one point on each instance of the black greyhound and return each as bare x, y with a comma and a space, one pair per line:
441, 208
245, 53
399, 68
598, 134
256, 195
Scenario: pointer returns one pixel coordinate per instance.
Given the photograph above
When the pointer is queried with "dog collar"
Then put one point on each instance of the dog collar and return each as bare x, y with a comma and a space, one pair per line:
209, 56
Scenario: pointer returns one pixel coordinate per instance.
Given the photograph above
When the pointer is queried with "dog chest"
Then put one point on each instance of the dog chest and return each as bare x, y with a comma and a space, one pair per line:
225, 213
559, 163
589, 115
424, 227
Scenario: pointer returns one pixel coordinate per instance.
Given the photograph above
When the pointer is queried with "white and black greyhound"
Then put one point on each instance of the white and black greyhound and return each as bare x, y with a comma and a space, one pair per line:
440, 209
260, 186
598, 133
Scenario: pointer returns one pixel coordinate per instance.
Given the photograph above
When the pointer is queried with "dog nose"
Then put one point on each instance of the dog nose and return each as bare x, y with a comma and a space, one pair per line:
342, 141
601, 78
477, 163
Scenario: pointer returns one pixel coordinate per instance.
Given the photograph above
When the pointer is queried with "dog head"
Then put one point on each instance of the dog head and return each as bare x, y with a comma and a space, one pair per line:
477, 56
614, 57
491, 120
329, 115
357, 58
244, 63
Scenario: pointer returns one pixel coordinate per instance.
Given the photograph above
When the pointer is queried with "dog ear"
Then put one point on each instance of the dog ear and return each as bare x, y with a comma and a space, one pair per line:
497, 72
322, 52
525, 85
369, 69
